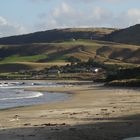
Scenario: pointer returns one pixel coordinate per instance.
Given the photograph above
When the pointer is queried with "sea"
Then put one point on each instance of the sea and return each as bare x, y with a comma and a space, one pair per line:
15, 94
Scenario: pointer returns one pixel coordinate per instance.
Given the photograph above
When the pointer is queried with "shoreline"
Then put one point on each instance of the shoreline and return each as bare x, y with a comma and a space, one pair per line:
92, 112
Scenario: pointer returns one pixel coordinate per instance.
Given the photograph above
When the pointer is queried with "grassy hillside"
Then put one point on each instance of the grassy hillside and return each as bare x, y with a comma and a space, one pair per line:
35, 52
129, 35
60, 52
57, 35
25, 66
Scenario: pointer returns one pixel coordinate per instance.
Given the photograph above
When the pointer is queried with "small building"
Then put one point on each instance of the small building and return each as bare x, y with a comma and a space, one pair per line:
53, 71
73, 39
81, 70
95, 70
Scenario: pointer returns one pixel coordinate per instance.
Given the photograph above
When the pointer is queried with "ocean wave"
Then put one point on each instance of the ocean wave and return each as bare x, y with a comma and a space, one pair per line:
28, 86
34, 95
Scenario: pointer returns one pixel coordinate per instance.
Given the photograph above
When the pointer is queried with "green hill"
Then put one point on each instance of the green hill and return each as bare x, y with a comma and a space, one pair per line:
129, 35
57, 35
42, 49
60, 52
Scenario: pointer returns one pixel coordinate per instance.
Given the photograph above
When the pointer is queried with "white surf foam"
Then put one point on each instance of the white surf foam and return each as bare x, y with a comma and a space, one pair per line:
34, 95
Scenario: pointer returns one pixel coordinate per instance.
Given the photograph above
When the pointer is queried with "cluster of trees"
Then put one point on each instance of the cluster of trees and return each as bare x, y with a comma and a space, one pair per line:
73, 59
129, 73
77, 66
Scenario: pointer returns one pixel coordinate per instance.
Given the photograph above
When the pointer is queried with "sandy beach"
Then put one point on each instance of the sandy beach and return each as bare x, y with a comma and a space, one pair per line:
92, 113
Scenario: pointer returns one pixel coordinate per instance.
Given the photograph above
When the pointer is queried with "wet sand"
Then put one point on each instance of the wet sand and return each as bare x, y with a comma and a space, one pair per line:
93, 113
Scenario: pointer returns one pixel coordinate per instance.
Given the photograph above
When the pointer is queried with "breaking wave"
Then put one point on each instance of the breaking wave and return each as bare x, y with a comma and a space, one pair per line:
33, 95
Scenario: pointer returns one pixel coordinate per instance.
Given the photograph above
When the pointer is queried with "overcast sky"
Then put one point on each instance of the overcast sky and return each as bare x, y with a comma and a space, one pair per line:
24, 16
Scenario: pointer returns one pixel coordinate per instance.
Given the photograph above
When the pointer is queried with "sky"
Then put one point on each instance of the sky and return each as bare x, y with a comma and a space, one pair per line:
25, 16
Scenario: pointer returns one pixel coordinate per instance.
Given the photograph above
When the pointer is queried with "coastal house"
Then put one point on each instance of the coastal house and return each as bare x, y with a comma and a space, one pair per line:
95, 70
54, 71
81, 70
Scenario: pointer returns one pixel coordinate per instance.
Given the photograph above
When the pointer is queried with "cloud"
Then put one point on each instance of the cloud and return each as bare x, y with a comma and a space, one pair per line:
65, 15
81, 1
7, 28
69, 13
127, 18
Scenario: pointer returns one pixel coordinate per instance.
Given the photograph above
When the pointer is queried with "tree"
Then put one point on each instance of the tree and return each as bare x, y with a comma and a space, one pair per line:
73, 59
90, 61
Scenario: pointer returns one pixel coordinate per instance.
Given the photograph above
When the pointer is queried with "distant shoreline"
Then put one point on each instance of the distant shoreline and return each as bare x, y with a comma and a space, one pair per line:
135, 83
